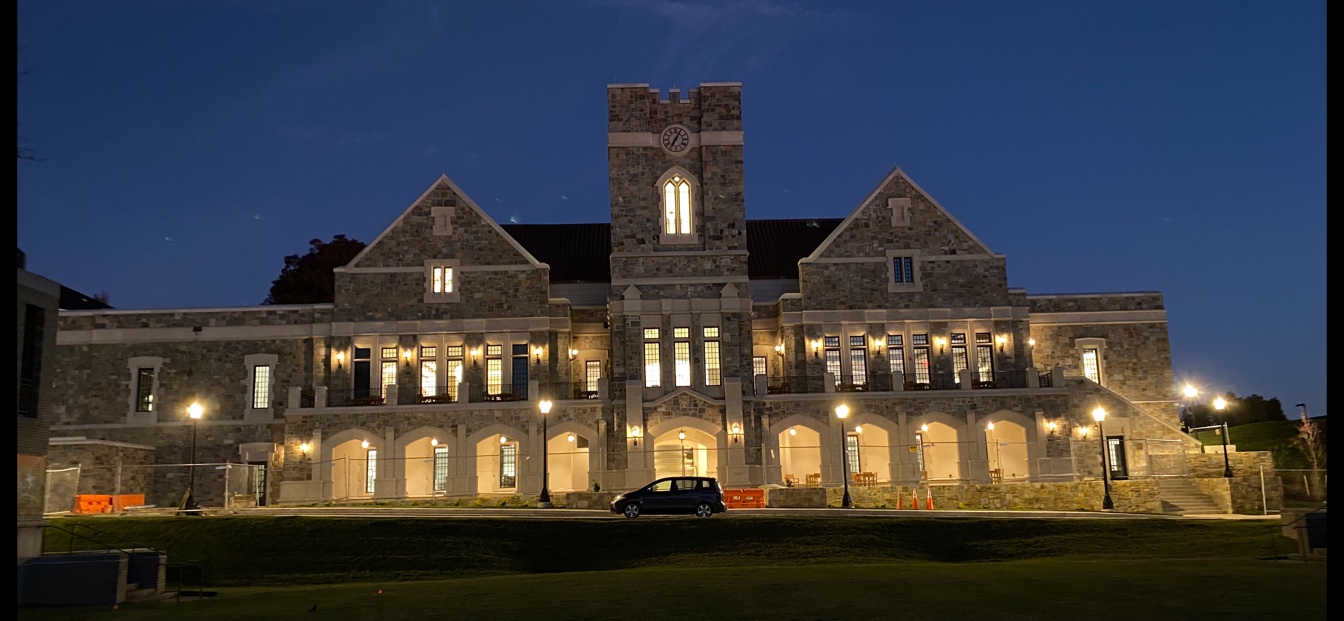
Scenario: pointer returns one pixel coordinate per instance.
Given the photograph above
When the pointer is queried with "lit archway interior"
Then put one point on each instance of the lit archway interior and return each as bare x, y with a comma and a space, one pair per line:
499, 465
353, 470
567, 462
874, 452
696, 455
427, 467
1007, 446
800, 456
940, 453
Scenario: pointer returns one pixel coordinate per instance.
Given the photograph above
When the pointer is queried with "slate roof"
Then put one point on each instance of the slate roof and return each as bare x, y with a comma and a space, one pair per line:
582, 252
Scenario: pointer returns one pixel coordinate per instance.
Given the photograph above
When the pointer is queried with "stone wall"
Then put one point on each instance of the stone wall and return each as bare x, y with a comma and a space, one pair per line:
104, 467
1244, 494
1136, 359
482, 295
279, 315
1244, 464
1139, 496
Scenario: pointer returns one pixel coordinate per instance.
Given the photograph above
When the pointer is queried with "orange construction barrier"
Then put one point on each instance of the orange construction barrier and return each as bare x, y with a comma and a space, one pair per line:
744, 498
928, 498
119, 503
93, 503
914, 498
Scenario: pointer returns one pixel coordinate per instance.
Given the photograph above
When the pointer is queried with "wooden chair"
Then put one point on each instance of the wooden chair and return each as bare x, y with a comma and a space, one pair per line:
790, 480
996, 476
814, 478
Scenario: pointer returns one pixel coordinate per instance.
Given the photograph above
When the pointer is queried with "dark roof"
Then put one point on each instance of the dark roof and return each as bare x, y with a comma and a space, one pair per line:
582, 252
74, 300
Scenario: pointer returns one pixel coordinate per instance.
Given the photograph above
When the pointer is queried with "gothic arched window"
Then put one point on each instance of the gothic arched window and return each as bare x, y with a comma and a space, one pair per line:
677, 207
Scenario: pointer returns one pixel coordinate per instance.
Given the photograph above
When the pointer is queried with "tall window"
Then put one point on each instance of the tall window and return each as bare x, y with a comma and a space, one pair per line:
370, 470
984, 357
652, 371
440, 468
896, 356
508, 466
494, 369
442, 280
681, 355
833, 357
429, 372
261, 387
677, 206
858, 360
454, 371
389, 367
520, 370
919, 453
921, 346
30, 366
959, 358
144, 390
712, 371
758, 366
852, 452
902, 270
592, 371
1091, 367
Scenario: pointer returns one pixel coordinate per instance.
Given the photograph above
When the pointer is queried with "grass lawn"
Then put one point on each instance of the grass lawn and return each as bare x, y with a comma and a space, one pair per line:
1274, 436
271, 551
1036, 589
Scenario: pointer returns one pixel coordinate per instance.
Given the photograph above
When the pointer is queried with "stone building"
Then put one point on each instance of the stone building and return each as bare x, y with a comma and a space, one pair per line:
680, 337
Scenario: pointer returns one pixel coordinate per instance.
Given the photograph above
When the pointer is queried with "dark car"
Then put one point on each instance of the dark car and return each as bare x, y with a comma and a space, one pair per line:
699, 496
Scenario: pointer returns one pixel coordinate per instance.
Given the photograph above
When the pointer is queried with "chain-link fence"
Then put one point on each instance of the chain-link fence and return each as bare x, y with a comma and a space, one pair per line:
113, 489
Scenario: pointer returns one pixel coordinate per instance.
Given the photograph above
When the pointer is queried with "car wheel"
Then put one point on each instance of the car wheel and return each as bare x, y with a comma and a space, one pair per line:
703, 510
631, 510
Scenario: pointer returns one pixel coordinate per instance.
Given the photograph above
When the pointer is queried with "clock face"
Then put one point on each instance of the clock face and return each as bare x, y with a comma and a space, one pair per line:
676, 139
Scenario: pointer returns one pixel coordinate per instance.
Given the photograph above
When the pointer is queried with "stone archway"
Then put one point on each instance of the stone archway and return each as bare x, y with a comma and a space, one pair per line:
1010, 446
939, 448
573, 457
695, 454
801, 455
350, 462
499, 453
425, 461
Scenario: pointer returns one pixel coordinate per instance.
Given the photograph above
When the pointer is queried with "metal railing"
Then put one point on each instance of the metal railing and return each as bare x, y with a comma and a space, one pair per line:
355, 398
796, 384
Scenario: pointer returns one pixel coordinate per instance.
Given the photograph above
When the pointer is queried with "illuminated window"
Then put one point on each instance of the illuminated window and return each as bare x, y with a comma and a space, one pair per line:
1091, 366
592, 371
440, 468
758, 365
652, 371
144, 390
389, 376
441, 281
494, 369
508, 466
261, 387
370, 470
713, 376
902, 271
833, 357
454, 371
858, 360
959, 356
852, 452
429, 372
677, 206
984, 357
681, 355
896, 355
921, 348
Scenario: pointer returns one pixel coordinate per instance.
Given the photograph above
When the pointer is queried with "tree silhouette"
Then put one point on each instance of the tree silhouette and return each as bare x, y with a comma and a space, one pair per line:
309, 279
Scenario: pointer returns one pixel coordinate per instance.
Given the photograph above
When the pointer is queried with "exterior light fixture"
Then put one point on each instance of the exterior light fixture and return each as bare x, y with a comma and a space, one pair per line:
340, 359
681, 435
189, 506
858, 428
941, 342
633, 434
476, 356
304, 448
406, 355
736, 433
536, 352
1107, 504
924, 428
990, 426
1031, 342
1190, 392
1083, 430
1220, 404
364, 444
573, 353
1001, 340
779, 349
503, 439
1051, 426
434, 442
570, 438
842, 412
544, 500
793, 431
816, 348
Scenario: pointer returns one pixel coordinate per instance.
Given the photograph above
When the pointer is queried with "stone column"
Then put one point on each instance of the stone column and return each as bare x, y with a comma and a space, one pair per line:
530, 481
319, 396
1033, 377
907, 461
770, 457
637, 467
975, 466
735, 449
462, 463
385, 481
832, 443
964, 379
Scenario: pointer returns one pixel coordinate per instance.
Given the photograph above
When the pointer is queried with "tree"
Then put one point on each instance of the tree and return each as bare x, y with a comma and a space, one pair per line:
1312, 444
1240, 411
309, 279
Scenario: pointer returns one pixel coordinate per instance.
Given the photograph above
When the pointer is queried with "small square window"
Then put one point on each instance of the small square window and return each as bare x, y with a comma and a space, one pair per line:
390, 352
494, 350
712, 332
441, 281
982, 338
651, 334
893, 340
681, 333
832, 341
454, 351
429, 352
958, 338
520, 349
919, 339
857, 341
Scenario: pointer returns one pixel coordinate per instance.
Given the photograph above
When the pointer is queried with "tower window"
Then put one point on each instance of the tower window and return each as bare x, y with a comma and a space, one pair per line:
677, 206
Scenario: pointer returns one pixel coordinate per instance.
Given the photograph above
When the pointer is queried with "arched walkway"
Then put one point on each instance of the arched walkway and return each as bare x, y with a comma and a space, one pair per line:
499, 454
425, 461
571, 450
871, 457
695, 454
348, 467
1006, 442
939, 448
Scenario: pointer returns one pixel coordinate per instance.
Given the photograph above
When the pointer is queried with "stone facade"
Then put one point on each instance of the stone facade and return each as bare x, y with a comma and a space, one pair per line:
36, 368
422, 384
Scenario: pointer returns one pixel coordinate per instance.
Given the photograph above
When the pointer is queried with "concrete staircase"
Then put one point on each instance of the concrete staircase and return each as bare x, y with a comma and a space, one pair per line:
1181, 497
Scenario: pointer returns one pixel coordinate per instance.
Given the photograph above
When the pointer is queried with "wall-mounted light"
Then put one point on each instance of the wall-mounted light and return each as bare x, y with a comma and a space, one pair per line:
816, 348
340, 359
406, 355
364, 444
1051, 427
924, 428
1031, 342
573, 353
779, 349
503, 439
476, 356
990, 426
304, 448
681, 435
434, 442
1083, 430
941, 342
793, 431
858, 428
536, 353
1001, 339
570, 438
633, 433
736, 433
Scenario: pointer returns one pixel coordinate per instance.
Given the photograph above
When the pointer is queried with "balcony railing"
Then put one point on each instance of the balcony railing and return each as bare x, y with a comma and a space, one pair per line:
355, 398
796, 384
440, 394
873, 383
566, 390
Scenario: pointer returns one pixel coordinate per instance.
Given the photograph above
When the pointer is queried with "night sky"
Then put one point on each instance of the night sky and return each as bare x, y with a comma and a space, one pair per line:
184, 148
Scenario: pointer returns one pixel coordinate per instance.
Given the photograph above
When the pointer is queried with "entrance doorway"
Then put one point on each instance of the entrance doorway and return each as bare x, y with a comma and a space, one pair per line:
258, 482
1115, 453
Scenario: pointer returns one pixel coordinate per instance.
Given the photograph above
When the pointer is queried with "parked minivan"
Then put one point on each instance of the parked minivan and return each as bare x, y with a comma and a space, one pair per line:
699, 496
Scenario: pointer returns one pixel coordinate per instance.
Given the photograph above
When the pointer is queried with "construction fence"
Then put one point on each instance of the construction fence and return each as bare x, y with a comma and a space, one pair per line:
115, 489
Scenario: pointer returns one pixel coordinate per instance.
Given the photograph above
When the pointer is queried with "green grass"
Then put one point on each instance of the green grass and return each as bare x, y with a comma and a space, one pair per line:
1096, 590
252, 551
1274, 436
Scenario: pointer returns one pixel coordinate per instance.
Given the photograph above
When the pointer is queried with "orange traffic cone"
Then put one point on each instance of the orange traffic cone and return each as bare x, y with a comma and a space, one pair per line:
914, 498
928, 499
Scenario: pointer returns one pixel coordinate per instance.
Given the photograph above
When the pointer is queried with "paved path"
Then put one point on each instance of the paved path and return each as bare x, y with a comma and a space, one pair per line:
597, 514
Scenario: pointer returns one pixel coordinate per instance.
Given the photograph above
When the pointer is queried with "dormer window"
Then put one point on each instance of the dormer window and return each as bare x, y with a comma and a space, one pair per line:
677, 192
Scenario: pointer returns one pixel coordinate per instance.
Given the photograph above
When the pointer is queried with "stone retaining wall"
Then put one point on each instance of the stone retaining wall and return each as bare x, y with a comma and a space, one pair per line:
1139, 496
1243, 494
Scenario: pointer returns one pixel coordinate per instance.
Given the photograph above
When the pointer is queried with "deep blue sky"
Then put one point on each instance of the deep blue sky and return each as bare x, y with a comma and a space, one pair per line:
1102, 146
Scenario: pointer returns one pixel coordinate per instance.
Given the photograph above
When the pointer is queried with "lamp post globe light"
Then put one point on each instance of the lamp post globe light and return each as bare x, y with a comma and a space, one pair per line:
189, 506
544, 501
1190, 393
1107, 504
842, 412
1221, 405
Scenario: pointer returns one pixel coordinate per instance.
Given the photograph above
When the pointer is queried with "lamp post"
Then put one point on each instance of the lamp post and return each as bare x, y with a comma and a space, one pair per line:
1221, 405
189, 507
544, 501
1189, 392
1107, 504
842, 412
681, 438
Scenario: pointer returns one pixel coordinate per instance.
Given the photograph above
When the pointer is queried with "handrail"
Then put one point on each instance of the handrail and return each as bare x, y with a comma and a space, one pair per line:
161, 555
114, 537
